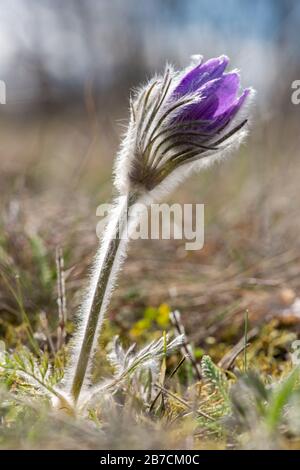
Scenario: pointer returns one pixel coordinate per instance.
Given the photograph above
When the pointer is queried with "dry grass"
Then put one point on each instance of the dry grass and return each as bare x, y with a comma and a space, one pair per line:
53, 175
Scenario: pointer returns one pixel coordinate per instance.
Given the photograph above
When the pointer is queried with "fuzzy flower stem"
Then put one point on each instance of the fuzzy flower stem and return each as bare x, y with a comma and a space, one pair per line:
100, 294
179, 122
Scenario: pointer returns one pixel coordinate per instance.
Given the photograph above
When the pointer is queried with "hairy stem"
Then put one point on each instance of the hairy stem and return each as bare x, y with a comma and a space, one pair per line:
100, 290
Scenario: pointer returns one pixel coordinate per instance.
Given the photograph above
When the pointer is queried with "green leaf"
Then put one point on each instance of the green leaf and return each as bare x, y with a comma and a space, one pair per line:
280, 398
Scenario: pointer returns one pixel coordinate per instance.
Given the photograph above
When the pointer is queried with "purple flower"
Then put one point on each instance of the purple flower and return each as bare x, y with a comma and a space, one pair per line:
181, 119
218, 94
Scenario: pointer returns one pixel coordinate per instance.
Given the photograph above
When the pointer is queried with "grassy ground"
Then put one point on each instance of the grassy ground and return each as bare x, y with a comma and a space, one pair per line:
243, 287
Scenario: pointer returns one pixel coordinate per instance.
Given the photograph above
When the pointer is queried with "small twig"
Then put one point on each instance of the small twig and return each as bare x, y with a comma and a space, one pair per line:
245, 340
45, 328
186, 347
167, 381
183, 402
61, 299
227, 361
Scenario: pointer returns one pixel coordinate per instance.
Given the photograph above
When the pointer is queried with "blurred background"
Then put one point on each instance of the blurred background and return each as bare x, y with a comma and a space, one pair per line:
51, 51
69, 67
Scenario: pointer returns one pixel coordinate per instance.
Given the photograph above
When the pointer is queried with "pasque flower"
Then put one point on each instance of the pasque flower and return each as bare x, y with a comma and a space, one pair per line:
179, 122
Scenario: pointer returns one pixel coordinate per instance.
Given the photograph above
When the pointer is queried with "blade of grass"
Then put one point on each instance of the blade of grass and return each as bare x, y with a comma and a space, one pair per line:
246, 340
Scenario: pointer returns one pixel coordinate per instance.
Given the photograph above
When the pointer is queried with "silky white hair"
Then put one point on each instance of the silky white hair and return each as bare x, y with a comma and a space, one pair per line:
152, 160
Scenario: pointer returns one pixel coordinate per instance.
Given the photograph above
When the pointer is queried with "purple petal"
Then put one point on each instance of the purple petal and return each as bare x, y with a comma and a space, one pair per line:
227, 92
201, 74
223, 119
205, 107
209, 102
